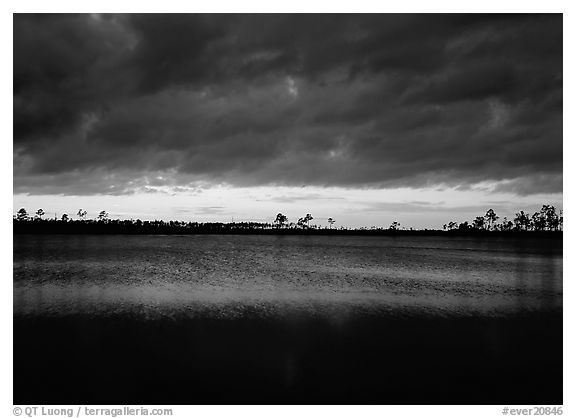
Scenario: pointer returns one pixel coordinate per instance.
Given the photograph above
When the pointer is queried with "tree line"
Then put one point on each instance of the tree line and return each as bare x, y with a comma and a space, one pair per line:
546, 219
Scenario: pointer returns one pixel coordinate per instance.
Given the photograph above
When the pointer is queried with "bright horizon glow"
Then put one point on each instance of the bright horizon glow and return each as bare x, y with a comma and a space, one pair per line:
417, 208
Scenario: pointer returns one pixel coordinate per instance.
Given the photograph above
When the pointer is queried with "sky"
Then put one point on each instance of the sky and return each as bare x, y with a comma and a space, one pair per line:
368, 119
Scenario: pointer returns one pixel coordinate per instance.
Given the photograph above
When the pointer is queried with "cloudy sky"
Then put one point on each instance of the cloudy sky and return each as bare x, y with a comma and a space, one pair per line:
364, 118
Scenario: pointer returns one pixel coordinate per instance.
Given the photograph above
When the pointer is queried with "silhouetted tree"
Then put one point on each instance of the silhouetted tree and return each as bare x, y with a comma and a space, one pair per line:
538, 221
281, 220
552, 218
478, 222
22, 215
103, 216
547, 219
491, 218
82, 214
522, 221
506, 225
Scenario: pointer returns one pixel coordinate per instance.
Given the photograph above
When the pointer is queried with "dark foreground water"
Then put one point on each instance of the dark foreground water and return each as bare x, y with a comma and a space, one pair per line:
287, 319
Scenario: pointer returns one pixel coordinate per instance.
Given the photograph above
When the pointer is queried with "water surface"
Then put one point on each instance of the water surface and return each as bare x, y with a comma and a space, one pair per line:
287, 320
231, 275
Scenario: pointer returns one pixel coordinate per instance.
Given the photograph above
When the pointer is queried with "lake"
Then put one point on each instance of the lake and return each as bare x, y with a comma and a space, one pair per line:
287, 319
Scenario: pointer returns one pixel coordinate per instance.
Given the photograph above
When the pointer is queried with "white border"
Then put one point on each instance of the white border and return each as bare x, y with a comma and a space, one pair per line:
307, 6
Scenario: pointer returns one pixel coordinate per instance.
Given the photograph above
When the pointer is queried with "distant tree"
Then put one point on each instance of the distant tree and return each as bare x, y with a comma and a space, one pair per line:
546, 219
539, 221
522, 221
307, 219
491, 218
22, 215
103, 216
281, 220
552, 218
82, 214
478, 222
506, 225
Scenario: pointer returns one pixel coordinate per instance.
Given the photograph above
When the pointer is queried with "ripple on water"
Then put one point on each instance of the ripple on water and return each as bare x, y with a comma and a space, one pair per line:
231, 276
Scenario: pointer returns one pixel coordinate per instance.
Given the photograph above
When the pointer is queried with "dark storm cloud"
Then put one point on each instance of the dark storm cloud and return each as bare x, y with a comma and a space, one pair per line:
105, 103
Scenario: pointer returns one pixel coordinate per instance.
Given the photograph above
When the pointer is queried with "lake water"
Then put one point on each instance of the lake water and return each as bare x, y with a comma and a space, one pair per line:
287, 319
231, 276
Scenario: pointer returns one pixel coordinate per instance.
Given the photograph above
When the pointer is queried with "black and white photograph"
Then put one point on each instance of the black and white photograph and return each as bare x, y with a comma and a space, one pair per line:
288, 209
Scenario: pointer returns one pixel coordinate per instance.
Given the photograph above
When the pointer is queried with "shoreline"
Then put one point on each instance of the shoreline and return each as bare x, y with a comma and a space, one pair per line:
113, 230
